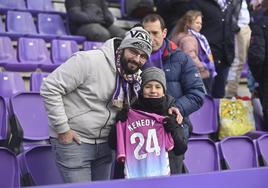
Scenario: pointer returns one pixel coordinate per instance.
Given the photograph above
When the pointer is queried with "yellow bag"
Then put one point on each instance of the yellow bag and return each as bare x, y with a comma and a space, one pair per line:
236, 117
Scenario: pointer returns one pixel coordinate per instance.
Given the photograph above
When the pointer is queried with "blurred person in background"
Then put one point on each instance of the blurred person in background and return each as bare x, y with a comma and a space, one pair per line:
258, 58
218, 27
92, 19
189, 39
242, 39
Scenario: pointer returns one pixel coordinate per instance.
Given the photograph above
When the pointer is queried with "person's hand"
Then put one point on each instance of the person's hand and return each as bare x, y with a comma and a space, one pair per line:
170, 123
122, 115
174, 110
68, 137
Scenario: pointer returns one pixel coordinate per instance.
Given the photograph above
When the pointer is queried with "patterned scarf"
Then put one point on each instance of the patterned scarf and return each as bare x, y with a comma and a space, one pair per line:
203, 42
126, 85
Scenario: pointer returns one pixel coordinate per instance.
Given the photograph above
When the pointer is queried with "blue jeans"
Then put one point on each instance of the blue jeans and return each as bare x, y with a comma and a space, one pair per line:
82, 163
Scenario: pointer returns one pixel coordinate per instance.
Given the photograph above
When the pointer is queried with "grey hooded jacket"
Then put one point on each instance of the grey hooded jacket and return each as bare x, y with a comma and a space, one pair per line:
78, 94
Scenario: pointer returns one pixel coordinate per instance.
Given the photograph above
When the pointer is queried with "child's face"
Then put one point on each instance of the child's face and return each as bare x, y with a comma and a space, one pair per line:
197, 24
153, 89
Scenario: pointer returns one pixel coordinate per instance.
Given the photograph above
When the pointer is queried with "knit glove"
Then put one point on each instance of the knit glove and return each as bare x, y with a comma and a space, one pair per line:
122, 115
170, 123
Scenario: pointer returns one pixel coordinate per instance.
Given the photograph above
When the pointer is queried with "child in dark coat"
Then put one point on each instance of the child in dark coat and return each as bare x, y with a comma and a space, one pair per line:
152, 99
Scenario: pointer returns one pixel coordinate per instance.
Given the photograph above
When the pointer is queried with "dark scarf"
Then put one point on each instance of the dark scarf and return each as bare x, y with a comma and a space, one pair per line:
152, 105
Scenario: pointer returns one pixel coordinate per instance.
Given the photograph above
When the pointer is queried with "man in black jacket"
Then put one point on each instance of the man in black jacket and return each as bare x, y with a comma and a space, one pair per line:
218, 27
92, 19
258, 58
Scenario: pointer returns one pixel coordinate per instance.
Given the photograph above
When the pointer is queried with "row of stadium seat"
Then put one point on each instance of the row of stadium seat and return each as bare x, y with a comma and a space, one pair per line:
32, 53
205, 120
238, 152
33, 6
48, 26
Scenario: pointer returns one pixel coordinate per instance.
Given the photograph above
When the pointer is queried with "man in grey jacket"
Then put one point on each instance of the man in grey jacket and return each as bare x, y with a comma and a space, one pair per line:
82, 97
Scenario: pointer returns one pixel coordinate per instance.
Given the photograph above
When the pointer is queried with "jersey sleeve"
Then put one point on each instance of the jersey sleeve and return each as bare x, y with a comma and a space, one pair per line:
121, 152
169, 141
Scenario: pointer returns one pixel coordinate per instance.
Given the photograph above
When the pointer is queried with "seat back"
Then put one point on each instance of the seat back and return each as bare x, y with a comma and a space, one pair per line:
262, 146
41, 157
2, 26
42, 5
29, 110
10, 84
201, 156
238, 152
62, 50
33, 51
13, 4
205, 120
9, 170
92, 45
51, 24
3, 119
7, 51
36, 80
20, 22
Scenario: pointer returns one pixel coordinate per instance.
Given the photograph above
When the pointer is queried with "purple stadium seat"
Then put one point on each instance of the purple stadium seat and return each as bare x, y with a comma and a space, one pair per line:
20, 24
41, 5
32, 52
262, 149
10, 84
238, 152
2, 26
62, 50
36, 80
92, 45
6, 5
205, 120
30, 114
51, 26
38, 164
8, 54
123, 8
255, 134
9, 170
201, 156
3, 120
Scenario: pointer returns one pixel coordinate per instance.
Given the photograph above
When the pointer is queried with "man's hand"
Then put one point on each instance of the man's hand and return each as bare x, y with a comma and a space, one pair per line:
68, 137
174, 110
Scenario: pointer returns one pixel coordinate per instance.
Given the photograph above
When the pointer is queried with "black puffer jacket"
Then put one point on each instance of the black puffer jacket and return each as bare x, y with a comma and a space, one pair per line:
258, 56
81, 12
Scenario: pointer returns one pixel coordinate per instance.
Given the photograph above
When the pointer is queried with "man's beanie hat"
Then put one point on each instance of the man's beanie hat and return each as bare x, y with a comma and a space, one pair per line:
137, 38
153, 74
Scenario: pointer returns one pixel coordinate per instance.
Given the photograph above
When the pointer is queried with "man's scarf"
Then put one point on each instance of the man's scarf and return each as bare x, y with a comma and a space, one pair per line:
127, 86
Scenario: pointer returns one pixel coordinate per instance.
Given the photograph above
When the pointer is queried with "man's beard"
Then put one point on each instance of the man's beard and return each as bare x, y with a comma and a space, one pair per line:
127, 70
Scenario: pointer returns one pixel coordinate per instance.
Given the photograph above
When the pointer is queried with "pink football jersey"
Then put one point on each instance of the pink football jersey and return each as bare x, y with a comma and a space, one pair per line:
142, 143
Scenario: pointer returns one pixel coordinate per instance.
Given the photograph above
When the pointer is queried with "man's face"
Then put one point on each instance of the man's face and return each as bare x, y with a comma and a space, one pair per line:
132, 60
157, 34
